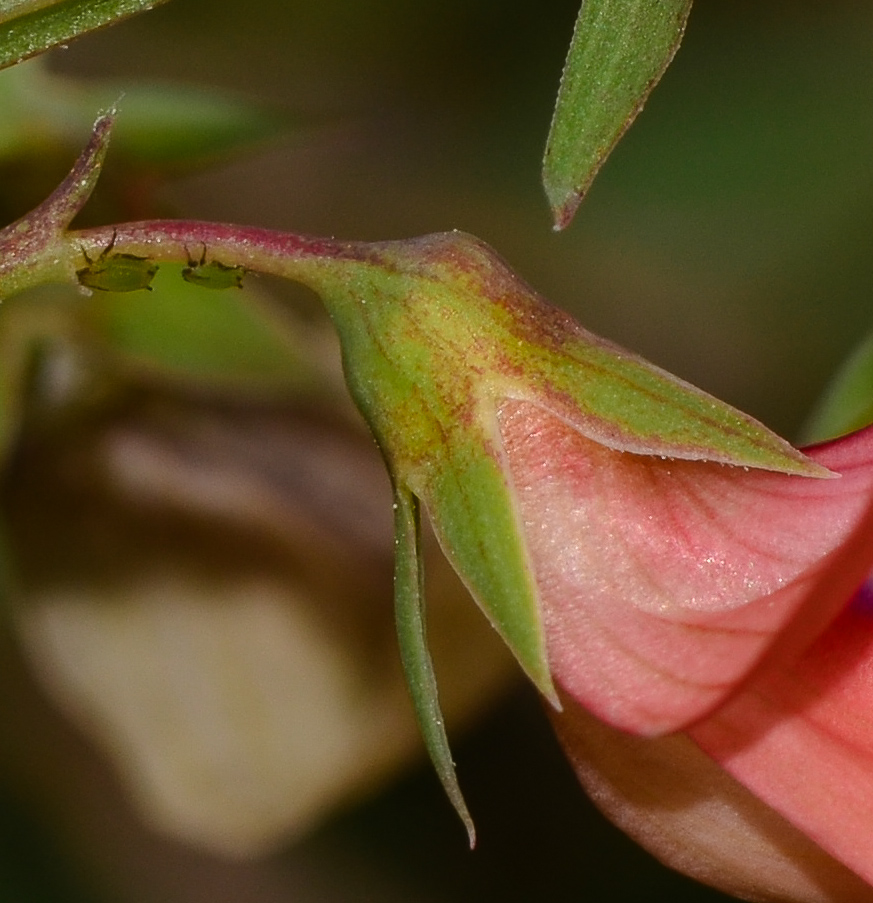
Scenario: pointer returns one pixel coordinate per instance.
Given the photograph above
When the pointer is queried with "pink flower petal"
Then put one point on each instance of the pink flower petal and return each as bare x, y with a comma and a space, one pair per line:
664, 583
801, 738
684, 808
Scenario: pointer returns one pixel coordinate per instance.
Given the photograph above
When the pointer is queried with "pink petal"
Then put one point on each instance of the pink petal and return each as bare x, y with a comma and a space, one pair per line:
801, 738
663, 583
685, 809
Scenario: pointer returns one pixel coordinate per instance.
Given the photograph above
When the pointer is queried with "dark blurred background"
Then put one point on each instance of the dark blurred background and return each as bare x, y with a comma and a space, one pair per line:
727, 239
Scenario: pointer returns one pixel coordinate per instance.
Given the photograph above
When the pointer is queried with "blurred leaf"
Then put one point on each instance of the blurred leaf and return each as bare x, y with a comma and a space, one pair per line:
215, 339
847, 405
26, 324
28, 27
167, 125
160, 126
619, 52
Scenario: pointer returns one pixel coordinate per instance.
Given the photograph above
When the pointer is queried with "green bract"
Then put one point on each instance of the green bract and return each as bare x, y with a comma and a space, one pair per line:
436, 333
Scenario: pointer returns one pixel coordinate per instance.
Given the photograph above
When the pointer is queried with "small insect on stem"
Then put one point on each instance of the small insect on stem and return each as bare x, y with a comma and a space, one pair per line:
116, 272
212, 274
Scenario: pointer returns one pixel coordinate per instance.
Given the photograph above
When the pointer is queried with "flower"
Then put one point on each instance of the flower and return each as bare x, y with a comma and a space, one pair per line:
648, 553
705, 608
443, 346
645, 547
657, 555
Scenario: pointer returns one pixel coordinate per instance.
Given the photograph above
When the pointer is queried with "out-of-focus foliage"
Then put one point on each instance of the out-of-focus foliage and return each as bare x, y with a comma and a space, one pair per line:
185, 334
847, 404
161, 129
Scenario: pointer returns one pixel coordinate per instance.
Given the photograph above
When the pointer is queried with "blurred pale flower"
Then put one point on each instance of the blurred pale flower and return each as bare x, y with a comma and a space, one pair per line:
204, 587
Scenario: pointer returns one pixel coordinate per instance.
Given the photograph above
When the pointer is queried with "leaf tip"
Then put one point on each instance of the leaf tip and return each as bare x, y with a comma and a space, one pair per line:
445, 768
564, 213
471, 828
554, 700
564, 198
540, 675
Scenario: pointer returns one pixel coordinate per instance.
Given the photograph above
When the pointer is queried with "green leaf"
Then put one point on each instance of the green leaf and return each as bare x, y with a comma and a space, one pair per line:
847, 405
417, 665
160, 126
28, 27
618, 54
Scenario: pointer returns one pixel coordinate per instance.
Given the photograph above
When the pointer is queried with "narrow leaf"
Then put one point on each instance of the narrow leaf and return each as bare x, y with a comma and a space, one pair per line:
619, 52
179, 125
28, 27
409, 608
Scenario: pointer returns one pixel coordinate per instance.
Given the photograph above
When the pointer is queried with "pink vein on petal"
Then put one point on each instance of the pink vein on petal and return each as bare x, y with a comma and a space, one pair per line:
664, 583
801, 738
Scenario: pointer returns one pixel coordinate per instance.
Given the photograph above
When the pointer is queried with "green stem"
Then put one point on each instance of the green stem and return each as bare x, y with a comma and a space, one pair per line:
298, 257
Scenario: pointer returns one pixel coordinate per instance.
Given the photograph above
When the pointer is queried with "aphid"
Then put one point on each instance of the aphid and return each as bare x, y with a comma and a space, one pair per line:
212, 274
117, 272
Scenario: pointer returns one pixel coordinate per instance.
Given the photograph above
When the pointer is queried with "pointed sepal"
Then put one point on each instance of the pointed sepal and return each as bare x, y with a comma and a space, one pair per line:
414, 654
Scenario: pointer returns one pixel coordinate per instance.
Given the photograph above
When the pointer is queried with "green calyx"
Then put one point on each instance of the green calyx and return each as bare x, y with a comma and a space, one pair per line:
436, 332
